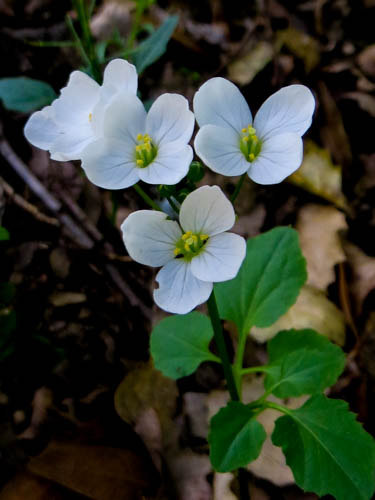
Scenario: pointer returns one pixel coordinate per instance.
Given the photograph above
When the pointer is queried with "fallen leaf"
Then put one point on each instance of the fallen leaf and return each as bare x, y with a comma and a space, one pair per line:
190, 471
59, 262
99, 472
61, 299
366, 60
112, 16
28, 486
302, 45
363, 274
244, 69
195, 409
221, 486
365, 101
319, 175
318, 227
312, 310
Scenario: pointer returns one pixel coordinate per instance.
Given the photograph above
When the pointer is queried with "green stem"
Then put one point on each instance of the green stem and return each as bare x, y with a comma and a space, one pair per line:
146, 198
254, 369
275, 406
221, 347
237, 188
173, 205
140, 8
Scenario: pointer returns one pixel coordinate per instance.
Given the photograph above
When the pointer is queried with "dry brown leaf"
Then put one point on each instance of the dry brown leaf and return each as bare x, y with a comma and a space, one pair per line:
363, 274
112, 16
301, 45
99, 472
195, 409
190, 471
319, 175
24, 486
312, 310
366, 60
61, 299
318, 227
244, 69
364, 100
221, 486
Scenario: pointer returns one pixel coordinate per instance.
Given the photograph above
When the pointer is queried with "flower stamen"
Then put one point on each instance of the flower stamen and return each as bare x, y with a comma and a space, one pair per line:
190, 245
250, 145
145, 151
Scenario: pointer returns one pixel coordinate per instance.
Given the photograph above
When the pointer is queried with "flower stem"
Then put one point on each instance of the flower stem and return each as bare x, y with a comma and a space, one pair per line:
146, 198
228, 373
221, 347
173, 204
237, 188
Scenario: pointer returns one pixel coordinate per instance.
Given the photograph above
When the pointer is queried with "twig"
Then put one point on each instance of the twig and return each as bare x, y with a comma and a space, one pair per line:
27, 206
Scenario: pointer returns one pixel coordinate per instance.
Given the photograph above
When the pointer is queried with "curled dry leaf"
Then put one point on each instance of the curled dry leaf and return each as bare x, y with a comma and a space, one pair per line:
245, 68
363, 274
312, 310
318, 228
319, 175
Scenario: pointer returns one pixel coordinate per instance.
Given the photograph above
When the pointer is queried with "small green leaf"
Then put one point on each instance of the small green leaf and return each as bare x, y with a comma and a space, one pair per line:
25, 94
4, 234
235, 437
302, 362
268, 282
155, 45
328, 451
179, 344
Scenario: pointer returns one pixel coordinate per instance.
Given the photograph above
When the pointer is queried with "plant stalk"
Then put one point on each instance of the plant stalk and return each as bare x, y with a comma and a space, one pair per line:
146, 198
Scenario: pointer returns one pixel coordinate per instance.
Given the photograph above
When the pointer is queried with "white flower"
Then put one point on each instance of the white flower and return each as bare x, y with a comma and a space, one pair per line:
152, 147
194, 253
268, 149
75, 118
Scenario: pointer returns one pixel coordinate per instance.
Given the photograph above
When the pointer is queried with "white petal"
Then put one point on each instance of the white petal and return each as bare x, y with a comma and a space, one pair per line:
169, 119
221, 259
219, 149
207, 210
168, 167
55, 155
150, 238
179, 291
219, 102
40, 129
119, 75
280, 156
73, 140
290, 109
77, 99
125, 118
108, 164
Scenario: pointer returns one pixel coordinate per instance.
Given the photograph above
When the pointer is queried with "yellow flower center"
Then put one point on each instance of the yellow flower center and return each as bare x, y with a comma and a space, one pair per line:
190, 245
145, 151
250, 145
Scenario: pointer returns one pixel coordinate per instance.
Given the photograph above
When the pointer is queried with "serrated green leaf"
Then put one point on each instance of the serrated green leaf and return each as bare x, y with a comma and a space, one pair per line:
179, 344
302, 362
328, 451
25, 94
268, 282
4, 234
235, 437
155, 45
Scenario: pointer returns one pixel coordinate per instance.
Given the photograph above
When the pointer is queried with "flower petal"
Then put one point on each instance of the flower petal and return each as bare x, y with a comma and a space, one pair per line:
125, 118
179, 290
280, 156
150, 238
77, 100
73, 141
219, 149
109, 165
221, 259
219, 102
207, 210
169, 119
290, 109
119, 75
40, 129
168, 167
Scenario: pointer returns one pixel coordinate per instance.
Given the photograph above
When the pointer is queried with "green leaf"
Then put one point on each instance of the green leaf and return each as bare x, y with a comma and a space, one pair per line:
268, 282
4, 234
328, 451
235, 437
155, 45
25, 94
179, 344
302, 362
